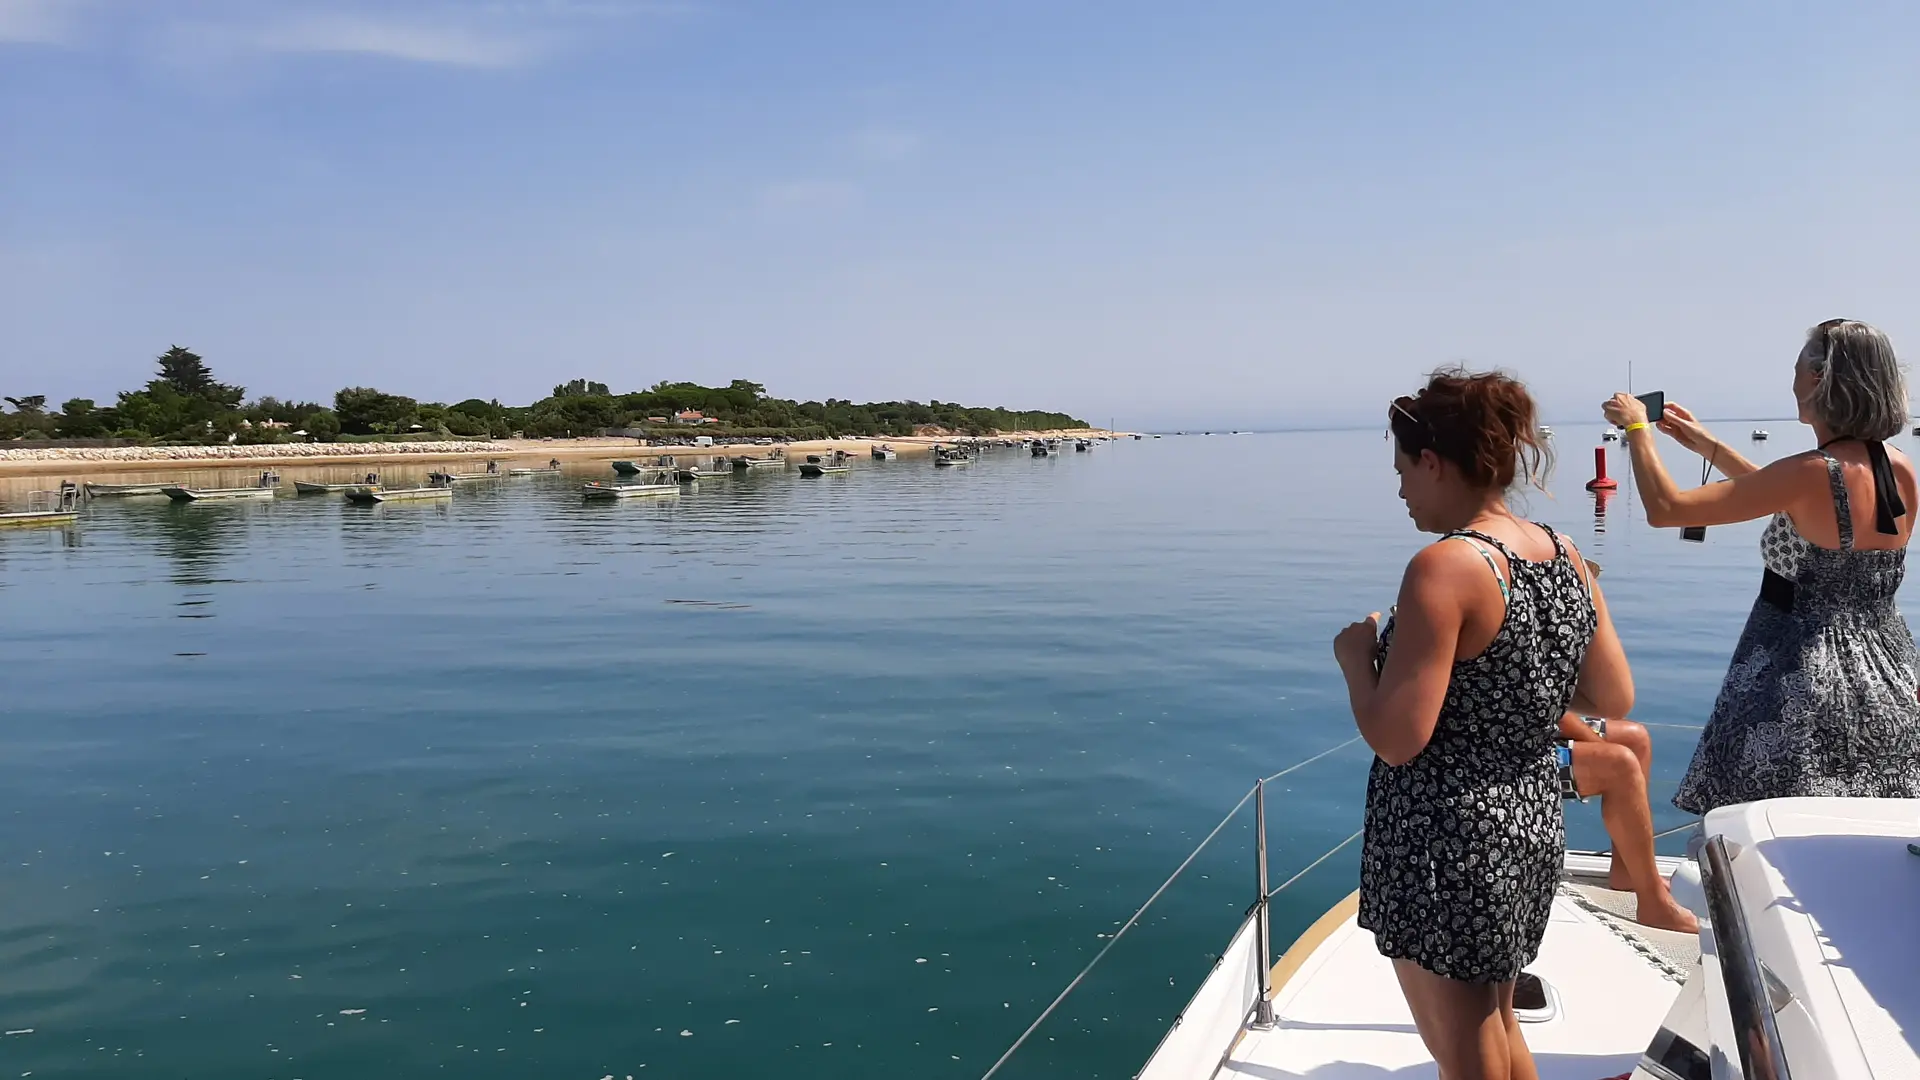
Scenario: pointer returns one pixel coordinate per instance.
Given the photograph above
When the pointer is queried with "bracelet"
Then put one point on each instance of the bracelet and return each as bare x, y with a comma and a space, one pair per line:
1631, 428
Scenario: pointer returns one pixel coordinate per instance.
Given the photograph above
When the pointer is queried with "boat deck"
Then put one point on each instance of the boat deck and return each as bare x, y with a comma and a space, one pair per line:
1340, 1015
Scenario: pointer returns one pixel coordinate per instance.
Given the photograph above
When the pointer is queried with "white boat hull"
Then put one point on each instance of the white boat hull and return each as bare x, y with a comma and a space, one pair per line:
27, 518
366, 496
124, 491
628, 491
187, 494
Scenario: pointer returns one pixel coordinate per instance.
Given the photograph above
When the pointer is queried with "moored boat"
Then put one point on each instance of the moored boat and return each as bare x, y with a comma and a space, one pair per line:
777, 460
492, 473
1081, 446
599, 489
883, 452
266, 488
951, 456
1760, 435
60, 506
122, 491
369, 496
834, 461
308, 487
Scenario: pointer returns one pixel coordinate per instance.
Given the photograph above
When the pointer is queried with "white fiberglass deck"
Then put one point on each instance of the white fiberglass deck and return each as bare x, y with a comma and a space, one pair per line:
1339, 1014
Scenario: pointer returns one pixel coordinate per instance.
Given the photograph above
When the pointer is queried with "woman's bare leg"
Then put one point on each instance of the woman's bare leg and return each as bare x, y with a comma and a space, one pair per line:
1464, 1025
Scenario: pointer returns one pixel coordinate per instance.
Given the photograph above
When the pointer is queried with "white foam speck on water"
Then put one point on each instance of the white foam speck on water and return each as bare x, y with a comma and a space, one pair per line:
684, 1034
730, 1022
351, 1012
21, 1031
919, 959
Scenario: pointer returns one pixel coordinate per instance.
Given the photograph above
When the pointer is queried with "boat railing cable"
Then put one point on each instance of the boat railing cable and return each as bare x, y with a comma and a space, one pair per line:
1257, 793
1303, 764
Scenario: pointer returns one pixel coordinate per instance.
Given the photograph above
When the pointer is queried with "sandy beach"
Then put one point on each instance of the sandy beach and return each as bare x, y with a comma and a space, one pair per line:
100, 463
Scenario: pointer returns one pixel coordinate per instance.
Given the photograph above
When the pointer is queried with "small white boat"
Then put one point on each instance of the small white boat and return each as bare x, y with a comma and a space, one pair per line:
1760, 435
553, 466
57, 507
492, 473
777, 461
714, 469
266, 488
123, 491
883, 452
1610, 435
1081, 446
1546, 432
369, 496
595, 489
835, 461
951, 457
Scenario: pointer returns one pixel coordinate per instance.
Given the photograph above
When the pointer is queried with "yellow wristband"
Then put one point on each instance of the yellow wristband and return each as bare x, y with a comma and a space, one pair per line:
1631, 428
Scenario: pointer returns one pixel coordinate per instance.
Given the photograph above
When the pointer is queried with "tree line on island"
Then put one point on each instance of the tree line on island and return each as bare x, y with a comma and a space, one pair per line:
184, 403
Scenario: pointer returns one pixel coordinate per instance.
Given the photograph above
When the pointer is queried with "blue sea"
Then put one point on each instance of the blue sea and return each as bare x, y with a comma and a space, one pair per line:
836, 777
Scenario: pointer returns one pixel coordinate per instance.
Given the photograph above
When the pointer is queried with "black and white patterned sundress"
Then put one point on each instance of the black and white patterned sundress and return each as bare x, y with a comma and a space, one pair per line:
1464, 843
1821, 696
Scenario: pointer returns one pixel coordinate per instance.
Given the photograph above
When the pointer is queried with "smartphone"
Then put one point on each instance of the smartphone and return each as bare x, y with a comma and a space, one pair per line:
1694, 533
1656, 403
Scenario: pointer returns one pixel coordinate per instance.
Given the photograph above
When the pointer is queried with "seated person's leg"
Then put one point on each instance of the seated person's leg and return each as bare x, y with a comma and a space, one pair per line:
1614, 772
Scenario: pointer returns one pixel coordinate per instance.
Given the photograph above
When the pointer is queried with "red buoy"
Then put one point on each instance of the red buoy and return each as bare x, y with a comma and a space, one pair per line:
1601, 481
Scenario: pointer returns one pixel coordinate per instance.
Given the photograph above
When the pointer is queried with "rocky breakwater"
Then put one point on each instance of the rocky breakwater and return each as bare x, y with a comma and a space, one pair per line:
267, 451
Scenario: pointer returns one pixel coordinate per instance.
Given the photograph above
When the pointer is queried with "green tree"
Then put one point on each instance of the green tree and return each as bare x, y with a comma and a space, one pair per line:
188, 375
78, 419
31, 405
323, 425
364, 411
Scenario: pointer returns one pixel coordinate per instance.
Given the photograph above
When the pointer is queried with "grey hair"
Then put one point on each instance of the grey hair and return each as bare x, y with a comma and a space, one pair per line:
1862, 391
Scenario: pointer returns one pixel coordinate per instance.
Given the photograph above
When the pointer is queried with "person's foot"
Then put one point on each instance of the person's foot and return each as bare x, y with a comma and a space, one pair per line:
1662, 912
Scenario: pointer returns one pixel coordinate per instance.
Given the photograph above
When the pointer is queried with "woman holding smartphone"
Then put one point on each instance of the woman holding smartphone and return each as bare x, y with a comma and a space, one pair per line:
1822, 696
1498, 630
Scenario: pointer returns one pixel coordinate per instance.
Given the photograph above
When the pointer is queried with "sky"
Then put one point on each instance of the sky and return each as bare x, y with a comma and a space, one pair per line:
1232, 214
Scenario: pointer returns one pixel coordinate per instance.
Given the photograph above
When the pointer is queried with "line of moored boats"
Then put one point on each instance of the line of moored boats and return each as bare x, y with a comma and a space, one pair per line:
663, 476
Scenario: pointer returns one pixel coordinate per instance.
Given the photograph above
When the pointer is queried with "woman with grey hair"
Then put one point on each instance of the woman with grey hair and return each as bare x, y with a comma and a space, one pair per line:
1822, 697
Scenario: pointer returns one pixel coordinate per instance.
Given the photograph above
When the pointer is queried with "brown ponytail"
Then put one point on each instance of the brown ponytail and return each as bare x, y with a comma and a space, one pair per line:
1484, 423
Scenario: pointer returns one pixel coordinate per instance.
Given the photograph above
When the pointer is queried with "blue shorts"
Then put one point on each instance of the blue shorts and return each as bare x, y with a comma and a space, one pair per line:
1563, 753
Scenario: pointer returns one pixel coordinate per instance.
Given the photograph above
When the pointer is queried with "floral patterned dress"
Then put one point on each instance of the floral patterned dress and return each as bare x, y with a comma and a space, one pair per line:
1464, 843
1821, 697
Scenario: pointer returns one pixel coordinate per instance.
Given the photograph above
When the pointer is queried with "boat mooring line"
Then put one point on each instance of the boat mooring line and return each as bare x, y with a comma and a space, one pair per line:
1311, 760
1309, 867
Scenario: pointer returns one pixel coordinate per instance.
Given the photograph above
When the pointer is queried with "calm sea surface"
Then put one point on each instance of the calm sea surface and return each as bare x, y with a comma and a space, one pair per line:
794, 777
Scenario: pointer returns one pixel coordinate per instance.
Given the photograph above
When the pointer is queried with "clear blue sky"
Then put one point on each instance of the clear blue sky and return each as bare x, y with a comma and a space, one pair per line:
1242, 214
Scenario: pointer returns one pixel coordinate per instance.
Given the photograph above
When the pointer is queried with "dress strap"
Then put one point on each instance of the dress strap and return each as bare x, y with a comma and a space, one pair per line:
1474, 540
1888, 506
1842, 505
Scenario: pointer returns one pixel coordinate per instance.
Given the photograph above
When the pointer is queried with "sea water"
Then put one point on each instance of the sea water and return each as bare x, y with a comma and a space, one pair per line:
832, 777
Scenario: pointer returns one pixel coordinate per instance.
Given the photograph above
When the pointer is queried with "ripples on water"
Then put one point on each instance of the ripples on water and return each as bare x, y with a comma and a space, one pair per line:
833, 777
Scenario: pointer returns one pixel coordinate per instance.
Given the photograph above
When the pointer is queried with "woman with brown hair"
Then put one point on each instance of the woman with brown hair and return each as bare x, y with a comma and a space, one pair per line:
1497, 632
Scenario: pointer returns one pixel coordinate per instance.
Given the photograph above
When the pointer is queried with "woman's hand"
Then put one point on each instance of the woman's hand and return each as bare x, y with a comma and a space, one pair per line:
1685, 430
1355, 646
1623, 410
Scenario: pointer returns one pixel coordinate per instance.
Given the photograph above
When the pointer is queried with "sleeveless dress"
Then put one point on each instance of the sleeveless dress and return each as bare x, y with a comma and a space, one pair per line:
1464, 843
1820, 698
